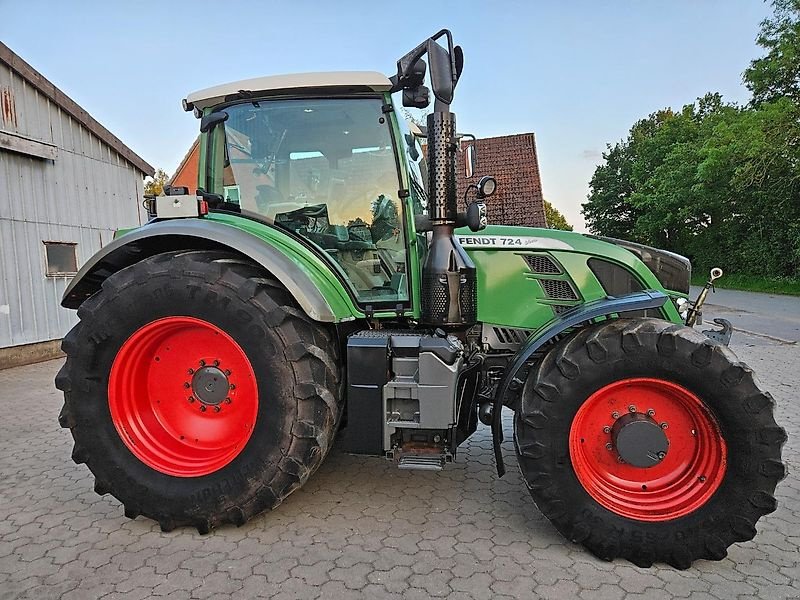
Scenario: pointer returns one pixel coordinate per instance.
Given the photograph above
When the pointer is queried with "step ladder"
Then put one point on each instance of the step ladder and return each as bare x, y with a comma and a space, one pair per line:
421, 461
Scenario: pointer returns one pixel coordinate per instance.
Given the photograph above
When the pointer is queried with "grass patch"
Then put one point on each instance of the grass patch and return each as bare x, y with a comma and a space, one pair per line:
752, 283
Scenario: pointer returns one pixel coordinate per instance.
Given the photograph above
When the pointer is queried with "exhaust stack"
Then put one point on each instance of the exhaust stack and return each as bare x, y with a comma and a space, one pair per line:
449, 281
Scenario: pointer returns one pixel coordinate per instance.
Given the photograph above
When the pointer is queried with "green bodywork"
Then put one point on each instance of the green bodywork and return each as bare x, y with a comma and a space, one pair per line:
510, 295
320, 273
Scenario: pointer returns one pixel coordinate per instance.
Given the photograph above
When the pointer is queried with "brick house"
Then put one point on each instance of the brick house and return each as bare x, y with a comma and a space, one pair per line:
187, 171
511, 160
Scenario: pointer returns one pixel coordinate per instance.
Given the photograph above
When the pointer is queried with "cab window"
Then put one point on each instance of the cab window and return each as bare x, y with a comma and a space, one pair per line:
326, 170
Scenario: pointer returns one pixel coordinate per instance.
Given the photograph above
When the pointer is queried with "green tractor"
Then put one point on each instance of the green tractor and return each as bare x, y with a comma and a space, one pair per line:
321, 283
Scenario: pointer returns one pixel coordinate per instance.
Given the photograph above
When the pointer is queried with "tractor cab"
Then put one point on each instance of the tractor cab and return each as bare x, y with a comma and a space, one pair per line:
318, 156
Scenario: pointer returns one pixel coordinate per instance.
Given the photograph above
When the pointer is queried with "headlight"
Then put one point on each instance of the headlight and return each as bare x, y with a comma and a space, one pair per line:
682, 304
672, 270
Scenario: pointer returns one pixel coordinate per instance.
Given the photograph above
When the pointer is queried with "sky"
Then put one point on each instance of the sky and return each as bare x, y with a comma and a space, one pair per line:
576, 73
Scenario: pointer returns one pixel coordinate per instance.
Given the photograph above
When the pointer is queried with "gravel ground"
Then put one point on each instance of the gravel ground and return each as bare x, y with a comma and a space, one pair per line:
359, 529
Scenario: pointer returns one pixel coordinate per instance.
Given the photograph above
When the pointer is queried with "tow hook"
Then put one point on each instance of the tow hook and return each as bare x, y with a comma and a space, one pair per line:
723, 336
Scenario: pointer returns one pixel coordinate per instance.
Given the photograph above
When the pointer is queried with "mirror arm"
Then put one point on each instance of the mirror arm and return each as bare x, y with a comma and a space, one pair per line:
211, 120
405, 66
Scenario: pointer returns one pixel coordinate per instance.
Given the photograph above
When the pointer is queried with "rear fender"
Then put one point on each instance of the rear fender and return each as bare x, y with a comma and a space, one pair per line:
580, 314
297, 273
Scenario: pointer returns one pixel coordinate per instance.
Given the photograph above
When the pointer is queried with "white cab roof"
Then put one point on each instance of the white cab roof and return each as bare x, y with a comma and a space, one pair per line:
377, 82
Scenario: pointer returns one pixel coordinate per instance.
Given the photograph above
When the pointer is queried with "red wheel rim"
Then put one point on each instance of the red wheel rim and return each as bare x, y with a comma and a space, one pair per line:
183, 396
691, 470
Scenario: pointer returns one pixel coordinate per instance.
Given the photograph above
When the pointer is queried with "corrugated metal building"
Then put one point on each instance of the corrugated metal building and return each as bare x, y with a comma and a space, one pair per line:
66, 183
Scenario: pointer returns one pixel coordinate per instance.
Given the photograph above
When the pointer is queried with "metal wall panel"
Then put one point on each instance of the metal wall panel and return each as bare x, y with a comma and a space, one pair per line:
82, 196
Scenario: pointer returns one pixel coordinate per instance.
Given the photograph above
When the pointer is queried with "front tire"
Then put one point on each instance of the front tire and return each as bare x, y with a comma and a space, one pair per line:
644, 440
196, 391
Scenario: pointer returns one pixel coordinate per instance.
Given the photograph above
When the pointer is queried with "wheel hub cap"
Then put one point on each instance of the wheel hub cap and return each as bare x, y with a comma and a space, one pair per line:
647, 449
183, 396
639, 440
210, 385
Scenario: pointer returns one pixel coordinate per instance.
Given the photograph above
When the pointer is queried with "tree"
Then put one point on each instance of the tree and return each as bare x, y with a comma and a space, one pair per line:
554, 218
716, 182
154, 185
419, 117
385, 218
777, 74
609, 210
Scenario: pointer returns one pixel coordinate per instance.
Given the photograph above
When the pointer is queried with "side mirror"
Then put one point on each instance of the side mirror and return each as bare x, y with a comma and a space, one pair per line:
443, 80
470, 160
445, 66
211, 120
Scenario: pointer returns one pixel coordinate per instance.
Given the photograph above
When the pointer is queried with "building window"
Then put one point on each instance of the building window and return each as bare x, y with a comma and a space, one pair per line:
61, 258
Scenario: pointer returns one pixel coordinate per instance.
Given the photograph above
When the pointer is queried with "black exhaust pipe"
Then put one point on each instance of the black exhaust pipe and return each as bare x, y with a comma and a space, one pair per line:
449, 281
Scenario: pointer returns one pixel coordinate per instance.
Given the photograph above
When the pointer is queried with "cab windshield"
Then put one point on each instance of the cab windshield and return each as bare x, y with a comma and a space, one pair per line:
326, 170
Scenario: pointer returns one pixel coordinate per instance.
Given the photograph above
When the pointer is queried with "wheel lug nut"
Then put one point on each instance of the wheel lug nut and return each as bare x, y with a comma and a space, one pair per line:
191, 371
202, 363
609, 446
651, 412
191, 399
664, 425
227, 371
216, 363
615, 415
632, 408
606, 429
186, 385
202, 408
620, 459
217, 409
233, 386
227, 400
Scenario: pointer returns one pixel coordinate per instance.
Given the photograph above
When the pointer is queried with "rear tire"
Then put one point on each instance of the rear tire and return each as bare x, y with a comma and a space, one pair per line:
709, 488
148, 342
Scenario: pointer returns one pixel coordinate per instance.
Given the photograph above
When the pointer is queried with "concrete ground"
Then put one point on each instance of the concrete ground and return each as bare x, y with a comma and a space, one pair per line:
359, 529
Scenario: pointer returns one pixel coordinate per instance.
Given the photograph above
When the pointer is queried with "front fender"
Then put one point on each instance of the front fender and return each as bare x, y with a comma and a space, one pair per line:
314, 288
580, 314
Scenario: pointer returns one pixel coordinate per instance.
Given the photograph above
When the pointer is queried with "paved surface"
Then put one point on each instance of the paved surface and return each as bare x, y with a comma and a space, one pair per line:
772, 315
359, 529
